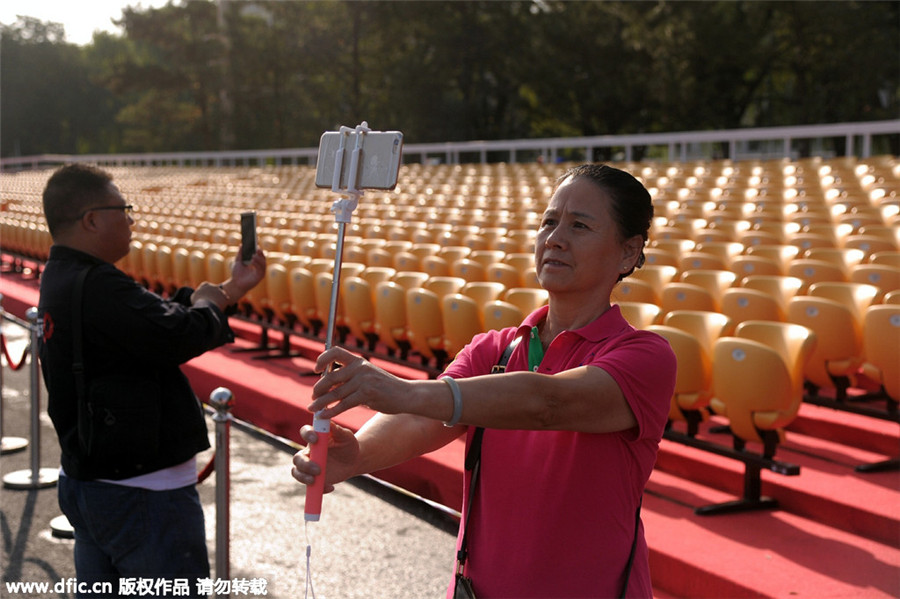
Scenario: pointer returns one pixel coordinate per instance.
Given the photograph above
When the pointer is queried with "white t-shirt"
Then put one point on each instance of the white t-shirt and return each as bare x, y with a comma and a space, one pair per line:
167, 479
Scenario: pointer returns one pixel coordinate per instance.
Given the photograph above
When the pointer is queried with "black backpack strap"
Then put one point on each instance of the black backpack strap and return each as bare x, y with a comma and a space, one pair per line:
637, 522
77, 336
474, 453
473, 457
500, 366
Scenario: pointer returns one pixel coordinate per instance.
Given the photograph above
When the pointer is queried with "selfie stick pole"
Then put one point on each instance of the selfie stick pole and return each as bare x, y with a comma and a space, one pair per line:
343, 210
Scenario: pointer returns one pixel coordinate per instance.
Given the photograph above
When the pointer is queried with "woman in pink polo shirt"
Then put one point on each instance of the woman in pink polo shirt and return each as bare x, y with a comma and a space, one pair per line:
571, 430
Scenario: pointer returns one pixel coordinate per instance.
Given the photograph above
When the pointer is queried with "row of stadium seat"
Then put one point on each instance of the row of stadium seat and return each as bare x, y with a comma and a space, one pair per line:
797, 192
706, 288
795, 261
758, 373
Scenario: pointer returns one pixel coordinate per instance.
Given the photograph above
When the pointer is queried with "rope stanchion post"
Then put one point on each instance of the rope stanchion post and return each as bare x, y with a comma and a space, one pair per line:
37, 477
222, 400
7, 444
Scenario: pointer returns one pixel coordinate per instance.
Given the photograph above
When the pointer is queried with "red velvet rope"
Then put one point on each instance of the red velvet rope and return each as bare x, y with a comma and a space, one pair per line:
12, 363
207, 470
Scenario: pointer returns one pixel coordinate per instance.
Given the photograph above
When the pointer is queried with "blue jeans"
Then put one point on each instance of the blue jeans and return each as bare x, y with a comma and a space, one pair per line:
128, 533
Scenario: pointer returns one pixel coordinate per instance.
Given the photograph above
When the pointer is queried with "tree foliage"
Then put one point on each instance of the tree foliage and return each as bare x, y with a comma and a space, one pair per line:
229, 74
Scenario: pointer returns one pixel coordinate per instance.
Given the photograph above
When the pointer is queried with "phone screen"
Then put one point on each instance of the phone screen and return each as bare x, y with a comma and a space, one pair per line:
248, 236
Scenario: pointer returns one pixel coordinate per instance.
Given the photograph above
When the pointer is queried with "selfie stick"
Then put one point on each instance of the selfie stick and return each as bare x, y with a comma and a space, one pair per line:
343, 210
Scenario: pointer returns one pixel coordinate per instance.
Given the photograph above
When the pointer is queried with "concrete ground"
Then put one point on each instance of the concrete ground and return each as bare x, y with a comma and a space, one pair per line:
370, 542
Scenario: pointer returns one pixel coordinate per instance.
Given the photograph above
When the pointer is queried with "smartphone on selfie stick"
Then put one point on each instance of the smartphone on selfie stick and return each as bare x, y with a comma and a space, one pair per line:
349, 161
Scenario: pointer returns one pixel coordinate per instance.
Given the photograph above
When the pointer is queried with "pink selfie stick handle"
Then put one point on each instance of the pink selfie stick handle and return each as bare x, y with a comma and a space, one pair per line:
318, 453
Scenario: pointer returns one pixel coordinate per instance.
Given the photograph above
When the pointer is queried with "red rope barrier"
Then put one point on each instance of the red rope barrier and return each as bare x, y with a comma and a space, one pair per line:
207, 470
9, 360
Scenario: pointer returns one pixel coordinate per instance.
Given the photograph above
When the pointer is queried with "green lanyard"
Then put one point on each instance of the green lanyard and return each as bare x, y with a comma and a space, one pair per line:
535, 350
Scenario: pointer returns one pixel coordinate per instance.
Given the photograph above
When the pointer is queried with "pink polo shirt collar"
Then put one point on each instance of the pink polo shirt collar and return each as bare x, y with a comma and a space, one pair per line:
609, 323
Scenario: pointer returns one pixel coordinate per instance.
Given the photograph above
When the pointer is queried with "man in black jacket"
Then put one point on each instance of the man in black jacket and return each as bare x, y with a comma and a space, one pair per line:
128, 422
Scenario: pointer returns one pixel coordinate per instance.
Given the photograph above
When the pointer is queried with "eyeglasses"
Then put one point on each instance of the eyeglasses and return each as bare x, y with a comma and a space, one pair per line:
127, 209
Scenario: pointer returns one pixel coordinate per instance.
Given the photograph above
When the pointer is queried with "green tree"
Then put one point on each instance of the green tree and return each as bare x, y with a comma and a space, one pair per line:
171, 76
228, 74
48, 102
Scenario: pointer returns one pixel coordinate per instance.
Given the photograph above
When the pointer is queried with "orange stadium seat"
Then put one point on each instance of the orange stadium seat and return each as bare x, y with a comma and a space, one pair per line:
881, 347
379, 256
424, 249
846, 258
444, 285
218, 267
886, 278
359, 310
693, 378
303, 299
753, 264
658, 276
483, 291
435, 266
406, 261
886, 258
678, 247
807, 241
838, 349
278, 290
454, 252
181, 273
857, 297
390, 317
871, 244
740, 304
376, 274
659, 256
783, 254
714, 281
462, 320
468, 269
521, 261
686, 296
425, 322
640, 315
505, 274
165, 268
196, 268
410, 279
704, 326
526, 299
635, 290
758, 380
317, 265
726, 251
486, 257
701, 261
499, 315
815, 271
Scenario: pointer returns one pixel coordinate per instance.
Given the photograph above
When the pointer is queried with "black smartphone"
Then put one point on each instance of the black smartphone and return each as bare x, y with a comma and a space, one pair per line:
248, 236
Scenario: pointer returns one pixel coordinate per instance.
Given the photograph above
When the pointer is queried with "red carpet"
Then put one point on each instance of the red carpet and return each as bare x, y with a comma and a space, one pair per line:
835, 534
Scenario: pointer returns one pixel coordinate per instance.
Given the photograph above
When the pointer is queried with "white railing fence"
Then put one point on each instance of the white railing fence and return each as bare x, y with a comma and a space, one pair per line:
861, 139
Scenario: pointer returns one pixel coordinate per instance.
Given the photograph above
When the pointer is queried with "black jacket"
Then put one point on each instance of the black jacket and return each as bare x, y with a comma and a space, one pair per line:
130, 331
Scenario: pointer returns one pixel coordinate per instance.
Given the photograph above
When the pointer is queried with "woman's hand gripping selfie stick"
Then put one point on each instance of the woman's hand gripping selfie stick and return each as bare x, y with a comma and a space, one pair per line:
343, 211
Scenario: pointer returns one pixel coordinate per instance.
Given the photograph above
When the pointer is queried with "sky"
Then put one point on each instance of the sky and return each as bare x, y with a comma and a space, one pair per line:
80, 19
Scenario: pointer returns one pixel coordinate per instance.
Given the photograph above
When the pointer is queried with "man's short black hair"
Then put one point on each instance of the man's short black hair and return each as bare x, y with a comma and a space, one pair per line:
72, 190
